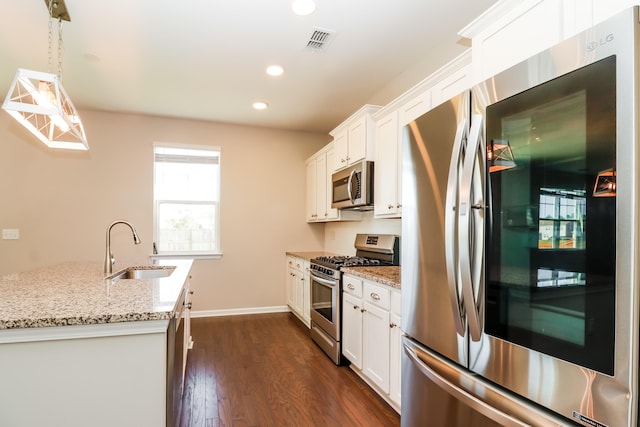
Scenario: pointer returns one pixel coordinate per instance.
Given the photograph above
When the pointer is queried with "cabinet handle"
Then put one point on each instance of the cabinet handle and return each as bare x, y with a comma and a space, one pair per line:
399, 205
350, 286
189, 306
392, 325
355, 307
342, 160
389, 206
375, 296
362, 310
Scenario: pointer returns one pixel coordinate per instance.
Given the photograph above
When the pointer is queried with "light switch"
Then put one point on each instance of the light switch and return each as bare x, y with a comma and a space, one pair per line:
10, 233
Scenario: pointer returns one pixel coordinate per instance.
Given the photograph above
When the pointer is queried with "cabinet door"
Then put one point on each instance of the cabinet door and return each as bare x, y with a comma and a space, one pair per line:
332, 213
523, 29
415, 107
357, 140
375, 345
386, 166
312, 208
453, 85
321, 187
341, 150
298, 302
352, 329
291, 280
306, 294
395, 353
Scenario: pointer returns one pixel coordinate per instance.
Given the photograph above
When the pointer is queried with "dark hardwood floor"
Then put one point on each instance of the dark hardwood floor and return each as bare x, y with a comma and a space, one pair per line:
264, 370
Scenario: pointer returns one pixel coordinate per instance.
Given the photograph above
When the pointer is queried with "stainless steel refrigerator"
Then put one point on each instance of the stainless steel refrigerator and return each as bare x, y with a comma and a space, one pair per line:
519, 276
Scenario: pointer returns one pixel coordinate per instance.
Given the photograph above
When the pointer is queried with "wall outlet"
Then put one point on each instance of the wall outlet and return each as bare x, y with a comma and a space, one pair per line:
10, 233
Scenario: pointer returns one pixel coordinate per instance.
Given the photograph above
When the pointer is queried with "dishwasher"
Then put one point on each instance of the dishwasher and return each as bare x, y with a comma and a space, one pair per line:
175, 362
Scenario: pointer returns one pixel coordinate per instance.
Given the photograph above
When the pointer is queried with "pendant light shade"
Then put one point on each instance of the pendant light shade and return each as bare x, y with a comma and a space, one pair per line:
39, 102
500, 156
605, 185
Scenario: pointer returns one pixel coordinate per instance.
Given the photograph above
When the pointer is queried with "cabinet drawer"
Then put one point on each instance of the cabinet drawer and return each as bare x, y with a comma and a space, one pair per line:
377, 295
296, 263
352, 285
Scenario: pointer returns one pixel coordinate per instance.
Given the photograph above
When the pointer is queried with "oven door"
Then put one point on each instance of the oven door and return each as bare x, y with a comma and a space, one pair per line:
325, 304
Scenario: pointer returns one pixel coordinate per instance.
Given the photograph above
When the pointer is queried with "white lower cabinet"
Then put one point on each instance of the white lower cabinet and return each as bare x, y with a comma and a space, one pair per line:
371, 335
352, 329
298, 288
375, 345
395, 352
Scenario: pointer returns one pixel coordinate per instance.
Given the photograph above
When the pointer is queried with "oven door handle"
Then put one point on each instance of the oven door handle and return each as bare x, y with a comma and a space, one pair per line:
324, 281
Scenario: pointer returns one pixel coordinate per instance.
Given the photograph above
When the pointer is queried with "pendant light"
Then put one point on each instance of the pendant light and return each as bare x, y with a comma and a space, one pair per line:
38, 101
605, 185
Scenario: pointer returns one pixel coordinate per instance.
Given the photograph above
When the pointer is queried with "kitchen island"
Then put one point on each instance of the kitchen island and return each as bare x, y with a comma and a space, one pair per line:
77, 349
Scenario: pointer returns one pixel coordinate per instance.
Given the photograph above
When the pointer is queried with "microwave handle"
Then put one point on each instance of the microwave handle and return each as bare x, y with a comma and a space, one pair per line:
353, 172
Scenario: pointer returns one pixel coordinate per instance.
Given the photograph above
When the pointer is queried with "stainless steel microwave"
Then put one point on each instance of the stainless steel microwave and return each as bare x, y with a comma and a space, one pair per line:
352, 188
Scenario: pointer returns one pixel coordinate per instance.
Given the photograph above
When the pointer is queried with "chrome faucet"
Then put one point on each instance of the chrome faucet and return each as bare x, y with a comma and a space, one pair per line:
108, 256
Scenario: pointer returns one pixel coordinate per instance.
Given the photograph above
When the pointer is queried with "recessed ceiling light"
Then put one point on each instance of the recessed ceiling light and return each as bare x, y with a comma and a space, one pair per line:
275, 70
260, 105
303, 7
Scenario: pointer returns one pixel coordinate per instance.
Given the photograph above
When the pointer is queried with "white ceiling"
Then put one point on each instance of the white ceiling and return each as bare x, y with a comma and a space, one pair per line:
206, 59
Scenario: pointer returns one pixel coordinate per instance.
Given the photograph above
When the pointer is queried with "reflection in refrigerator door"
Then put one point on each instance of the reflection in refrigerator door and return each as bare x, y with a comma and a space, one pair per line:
519, 278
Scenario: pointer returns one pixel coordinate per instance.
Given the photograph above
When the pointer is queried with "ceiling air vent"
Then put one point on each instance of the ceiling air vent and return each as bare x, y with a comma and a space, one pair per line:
319, 39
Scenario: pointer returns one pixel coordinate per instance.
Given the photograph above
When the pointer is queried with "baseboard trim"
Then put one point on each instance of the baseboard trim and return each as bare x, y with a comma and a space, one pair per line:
240, 311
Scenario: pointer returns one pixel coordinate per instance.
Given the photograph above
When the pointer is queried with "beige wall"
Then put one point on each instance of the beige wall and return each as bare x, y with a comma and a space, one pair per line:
340, 236
62, 201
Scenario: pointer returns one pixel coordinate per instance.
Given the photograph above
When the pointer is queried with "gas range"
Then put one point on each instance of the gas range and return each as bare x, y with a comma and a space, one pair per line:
330, 265
326, 286
371, 250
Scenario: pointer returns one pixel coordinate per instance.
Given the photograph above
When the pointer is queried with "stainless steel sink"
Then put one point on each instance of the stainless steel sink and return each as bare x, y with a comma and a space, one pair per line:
144, 272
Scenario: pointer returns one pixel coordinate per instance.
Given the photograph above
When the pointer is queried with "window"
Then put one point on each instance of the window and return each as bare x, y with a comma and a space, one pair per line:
186, 200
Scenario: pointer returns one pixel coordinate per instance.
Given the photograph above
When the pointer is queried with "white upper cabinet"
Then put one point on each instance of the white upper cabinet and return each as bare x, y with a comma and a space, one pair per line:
513, 30
603, 9
353, 139
390, 121
457, 81
319, 170
387, 176
312, 189
415, 106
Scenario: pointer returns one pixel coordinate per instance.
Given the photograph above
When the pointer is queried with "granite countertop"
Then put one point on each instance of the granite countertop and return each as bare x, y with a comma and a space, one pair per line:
76, 293
387, 275
308, 256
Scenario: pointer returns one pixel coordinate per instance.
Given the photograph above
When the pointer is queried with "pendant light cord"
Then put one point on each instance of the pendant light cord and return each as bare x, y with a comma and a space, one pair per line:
52, 4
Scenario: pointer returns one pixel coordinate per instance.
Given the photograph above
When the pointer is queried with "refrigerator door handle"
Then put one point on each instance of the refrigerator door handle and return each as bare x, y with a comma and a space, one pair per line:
471, 230
450, 226
452, 381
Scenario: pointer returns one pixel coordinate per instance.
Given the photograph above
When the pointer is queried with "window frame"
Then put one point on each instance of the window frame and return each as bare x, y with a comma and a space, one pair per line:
209, 254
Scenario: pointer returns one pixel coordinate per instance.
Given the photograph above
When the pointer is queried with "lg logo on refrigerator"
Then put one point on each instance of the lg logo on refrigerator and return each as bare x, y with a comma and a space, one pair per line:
596, 44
